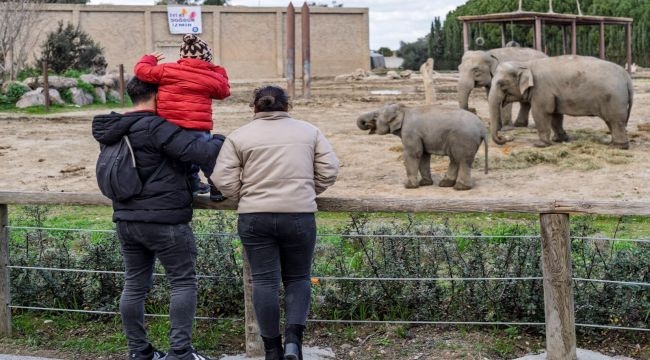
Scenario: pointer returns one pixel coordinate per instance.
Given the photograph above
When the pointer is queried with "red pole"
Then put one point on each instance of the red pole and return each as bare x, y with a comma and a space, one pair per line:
291, 50
306, 52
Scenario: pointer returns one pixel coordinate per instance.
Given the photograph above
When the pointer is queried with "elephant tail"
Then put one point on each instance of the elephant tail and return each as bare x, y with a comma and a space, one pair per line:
485, 143
630, 94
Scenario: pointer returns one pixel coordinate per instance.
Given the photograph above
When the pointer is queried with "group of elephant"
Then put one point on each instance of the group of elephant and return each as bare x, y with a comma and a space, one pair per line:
547, 87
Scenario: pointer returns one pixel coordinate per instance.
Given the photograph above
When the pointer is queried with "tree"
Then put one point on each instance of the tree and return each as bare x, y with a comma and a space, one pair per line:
385, 51
414, 54
17, 18
69, 48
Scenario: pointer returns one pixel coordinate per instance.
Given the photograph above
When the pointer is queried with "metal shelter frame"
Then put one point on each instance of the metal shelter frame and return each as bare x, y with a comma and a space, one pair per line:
566, 21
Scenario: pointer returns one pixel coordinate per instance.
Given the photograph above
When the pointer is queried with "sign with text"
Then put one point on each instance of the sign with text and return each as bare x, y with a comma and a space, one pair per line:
184, 19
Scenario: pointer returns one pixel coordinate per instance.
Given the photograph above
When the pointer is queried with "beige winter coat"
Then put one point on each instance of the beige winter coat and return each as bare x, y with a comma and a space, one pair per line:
275, 164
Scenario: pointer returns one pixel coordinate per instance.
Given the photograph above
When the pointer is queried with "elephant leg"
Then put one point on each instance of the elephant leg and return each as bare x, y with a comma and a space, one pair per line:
543, 123
506, 116
412, 163
449, 179
464, 180
557, 123
522, 117
425, 170
616, 125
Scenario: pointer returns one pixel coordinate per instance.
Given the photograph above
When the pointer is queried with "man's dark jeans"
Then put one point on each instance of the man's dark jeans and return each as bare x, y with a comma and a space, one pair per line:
280, 248
175, 248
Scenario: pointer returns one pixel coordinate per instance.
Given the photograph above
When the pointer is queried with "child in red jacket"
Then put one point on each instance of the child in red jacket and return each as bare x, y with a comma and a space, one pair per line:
185, 92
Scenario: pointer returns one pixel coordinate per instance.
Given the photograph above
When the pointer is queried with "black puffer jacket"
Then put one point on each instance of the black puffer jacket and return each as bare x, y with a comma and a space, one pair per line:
167, 199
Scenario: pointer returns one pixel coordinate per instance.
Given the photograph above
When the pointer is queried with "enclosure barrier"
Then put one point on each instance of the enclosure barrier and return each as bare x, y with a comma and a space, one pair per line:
554, 230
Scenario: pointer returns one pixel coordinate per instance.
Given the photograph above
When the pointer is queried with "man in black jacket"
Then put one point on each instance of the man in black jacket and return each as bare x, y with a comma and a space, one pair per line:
155, 223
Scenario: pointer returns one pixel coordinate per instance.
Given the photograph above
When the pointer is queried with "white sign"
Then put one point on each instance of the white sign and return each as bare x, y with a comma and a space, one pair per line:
184, 19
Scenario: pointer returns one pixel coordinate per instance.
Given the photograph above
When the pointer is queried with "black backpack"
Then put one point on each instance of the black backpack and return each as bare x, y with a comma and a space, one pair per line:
117, 173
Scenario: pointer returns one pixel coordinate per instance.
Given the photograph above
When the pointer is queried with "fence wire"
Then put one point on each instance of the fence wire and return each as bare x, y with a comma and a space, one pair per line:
350, 237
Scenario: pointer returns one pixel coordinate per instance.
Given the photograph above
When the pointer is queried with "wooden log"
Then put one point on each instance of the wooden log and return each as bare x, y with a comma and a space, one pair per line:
5, 288
426, 70
334, 204
558, 289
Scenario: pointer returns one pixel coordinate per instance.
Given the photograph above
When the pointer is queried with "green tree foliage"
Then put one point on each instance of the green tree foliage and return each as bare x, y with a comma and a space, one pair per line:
414, 54
385, 51
69, 48
445, 44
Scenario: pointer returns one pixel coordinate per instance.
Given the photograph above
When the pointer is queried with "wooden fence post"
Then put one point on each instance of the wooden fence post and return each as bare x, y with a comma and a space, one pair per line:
121, 82
46, 87
558, 287
5, 288
254, 345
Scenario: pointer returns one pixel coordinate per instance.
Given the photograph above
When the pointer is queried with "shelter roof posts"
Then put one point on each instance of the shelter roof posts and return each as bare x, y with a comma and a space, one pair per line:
566, 21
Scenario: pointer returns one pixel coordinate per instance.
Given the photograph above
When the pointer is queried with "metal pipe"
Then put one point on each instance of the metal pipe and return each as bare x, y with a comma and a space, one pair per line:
291, 50
306, 51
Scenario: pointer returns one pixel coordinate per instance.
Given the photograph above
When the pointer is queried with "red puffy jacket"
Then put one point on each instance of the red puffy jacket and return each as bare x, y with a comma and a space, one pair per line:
186, 89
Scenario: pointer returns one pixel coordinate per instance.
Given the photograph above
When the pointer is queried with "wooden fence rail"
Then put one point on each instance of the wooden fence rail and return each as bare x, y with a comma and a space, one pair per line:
554, 230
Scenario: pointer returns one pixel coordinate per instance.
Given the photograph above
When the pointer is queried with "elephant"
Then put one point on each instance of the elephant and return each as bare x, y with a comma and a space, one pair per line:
431, 129
476, 70
569, 84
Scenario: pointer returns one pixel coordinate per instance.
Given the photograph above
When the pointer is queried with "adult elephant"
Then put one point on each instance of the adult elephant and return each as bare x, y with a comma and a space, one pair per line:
427, 130
571, 85
476, 70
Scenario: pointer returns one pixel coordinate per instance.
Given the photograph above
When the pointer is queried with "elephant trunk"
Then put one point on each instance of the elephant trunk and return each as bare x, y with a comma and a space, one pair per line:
367, 121
464, 88
495, 102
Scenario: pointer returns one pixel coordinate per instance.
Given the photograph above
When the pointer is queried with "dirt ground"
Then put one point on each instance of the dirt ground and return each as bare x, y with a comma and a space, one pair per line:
57, 152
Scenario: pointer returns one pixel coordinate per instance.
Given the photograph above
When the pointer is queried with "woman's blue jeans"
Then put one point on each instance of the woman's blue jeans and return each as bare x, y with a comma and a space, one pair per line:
280, 249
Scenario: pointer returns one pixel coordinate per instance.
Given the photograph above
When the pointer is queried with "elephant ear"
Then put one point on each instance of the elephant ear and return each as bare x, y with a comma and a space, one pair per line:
494, 62
395, 117
525, 80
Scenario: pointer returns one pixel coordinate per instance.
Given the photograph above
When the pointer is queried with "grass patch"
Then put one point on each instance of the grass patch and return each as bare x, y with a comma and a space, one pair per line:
585, 152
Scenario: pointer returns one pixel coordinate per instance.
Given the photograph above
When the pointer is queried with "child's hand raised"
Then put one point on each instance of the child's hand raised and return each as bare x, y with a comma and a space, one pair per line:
158, 55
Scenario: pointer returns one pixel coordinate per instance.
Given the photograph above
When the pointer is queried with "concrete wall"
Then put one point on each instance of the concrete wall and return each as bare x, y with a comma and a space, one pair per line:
248, 41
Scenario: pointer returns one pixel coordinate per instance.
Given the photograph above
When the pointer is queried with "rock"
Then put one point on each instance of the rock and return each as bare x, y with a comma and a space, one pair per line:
392, 75
99, 65
92, 79
36, 98
406, 74
113, 95
100, 95
5, 86
54, 81
80, 97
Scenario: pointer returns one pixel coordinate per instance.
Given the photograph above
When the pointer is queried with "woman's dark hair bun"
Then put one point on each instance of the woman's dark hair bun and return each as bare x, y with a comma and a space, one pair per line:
270, 98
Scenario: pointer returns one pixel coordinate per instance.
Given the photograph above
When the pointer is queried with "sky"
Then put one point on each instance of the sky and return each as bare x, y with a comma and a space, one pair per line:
390, 21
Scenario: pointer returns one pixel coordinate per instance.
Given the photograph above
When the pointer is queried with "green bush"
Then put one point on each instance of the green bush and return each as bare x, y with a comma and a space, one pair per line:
28, 72
367, 246
69, 48
14, 92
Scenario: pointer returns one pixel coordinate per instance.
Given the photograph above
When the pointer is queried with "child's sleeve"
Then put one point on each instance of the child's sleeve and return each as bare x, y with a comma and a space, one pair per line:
220, 85
148, 70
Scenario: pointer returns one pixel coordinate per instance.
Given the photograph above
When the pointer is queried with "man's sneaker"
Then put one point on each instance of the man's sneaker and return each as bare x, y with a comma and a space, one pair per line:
150, 353
187, 354
199, 188
216, 195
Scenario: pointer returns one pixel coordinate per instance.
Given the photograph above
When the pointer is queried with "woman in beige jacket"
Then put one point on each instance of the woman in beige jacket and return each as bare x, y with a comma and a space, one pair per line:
275, 166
